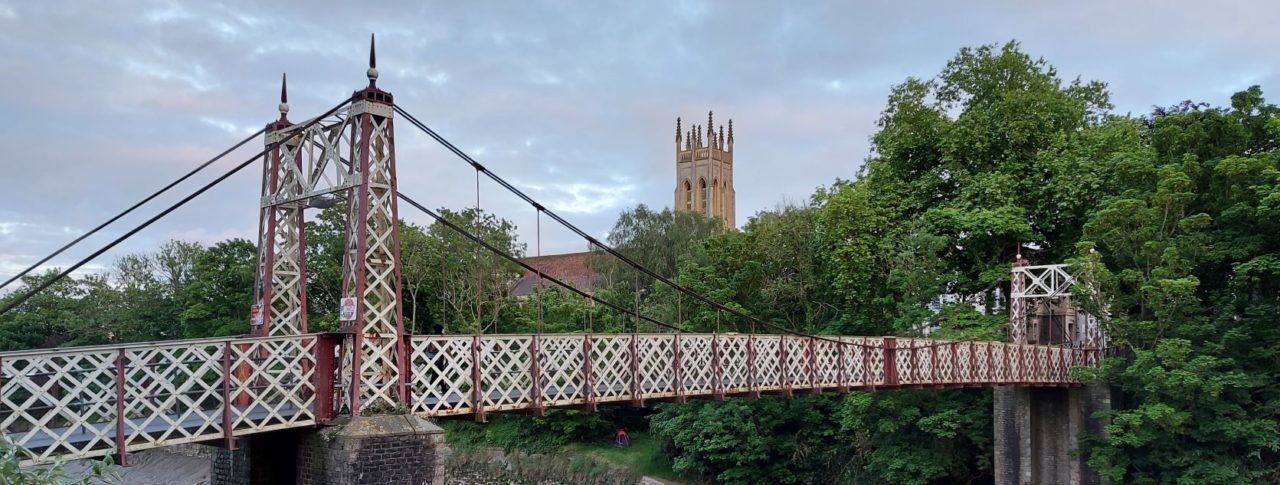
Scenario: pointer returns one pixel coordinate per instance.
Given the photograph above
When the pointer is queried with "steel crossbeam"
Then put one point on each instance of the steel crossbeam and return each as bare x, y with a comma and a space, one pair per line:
1037, 290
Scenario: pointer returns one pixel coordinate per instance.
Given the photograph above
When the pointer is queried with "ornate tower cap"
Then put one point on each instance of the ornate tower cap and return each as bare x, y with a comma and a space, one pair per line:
372, 73
283, 107
372, 93
284, 95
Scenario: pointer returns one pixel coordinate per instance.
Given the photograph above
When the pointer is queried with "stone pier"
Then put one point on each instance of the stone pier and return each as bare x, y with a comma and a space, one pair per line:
1038, 430
387, 449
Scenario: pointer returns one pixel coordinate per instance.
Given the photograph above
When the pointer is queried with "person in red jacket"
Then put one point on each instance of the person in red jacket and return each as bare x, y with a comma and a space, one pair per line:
621, 440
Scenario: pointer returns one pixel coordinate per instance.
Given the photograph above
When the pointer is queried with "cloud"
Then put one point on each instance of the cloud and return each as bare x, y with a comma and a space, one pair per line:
576, 99
582, 197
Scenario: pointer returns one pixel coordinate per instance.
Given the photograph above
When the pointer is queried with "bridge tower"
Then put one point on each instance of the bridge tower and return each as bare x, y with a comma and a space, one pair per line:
346, 156
1037, 430
372, 304
280, 294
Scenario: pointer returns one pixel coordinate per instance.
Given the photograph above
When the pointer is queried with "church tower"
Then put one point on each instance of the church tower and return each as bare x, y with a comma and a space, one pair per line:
704, 171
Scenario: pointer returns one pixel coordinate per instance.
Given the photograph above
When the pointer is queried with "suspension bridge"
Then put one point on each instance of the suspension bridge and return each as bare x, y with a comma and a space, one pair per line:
118, 399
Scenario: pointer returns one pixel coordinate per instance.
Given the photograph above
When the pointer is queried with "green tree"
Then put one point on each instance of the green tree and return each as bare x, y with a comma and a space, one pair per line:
1188, 254
221, 291
47, 319
771, 440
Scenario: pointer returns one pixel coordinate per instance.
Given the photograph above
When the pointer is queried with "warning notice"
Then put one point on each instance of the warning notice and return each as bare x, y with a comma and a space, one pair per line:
347, 313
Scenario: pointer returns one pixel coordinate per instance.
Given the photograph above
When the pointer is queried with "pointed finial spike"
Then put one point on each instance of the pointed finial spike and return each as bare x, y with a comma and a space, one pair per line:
372, 73
284, 96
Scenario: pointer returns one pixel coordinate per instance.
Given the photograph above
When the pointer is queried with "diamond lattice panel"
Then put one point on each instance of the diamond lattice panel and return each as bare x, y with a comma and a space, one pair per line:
505, 372
697, 370
611, 367
274, 385
174, 394
797, 361
560, 365
733, 362
60, 403
441, 375
656, 356
768, 367
827, 358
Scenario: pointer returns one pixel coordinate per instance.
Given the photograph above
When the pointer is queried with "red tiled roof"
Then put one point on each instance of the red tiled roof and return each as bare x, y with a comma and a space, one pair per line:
570, 268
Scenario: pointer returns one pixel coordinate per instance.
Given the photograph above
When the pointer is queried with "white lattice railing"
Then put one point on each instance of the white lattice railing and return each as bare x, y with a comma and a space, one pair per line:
91, 401
452, 375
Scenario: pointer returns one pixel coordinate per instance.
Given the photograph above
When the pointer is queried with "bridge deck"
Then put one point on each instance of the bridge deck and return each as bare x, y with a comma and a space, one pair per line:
85, 402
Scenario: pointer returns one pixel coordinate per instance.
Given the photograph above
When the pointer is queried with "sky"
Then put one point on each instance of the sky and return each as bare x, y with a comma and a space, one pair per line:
574, 102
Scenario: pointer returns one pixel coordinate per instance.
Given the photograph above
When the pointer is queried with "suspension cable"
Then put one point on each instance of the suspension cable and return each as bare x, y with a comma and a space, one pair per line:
26, 296
480, 274
495, 250
614, 252
296, 131
444, 286
126, 212
591, 239
539, 251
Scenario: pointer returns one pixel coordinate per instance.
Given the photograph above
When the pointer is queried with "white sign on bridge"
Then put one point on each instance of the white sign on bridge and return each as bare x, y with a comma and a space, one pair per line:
348, 311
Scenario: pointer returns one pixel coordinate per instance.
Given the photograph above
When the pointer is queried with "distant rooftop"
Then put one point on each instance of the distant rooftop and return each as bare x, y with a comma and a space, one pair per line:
570, 268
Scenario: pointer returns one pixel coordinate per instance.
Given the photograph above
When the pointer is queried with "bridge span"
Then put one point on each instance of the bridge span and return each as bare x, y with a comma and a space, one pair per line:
91, 401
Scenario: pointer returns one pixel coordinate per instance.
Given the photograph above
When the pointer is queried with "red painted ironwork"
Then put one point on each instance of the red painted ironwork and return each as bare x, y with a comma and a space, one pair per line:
326, 368
973, 364
717, 389
917, 370
841, 376
228, 433
676, 369
890, 361
866, 365
753, 382
122, 451
811, 363
535, 376
477, 395
636, 396
456, 375
587, 350
782, 363
933, 364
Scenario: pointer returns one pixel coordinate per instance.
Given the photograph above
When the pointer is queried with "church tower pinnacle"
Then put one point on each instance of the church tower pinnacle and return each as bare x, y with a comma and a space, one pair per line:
704, 171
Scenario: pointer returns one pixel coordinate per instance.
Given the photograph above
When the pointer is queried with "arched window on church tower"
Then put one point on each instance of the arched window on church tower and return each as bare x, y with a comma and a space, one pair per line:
688, 196
716, 195
702, 190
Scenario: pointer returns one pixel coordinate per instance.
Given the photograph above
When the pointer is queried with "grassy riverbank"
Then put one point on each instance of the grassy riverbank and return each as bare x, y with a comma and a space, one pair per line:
513, 434
644, 457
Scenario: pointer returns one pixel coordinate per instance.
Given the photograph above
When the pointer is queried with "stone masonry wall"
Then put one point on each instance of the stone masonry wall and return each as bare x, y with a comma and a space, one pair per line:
229, 467
377, 450
259, 459
1037, 433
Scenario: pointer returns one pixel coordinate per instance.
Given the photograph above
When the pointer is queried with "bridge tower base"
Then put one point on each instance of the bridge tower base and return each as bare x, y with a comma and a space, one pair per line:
382, 449
264, 458
1037, 433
